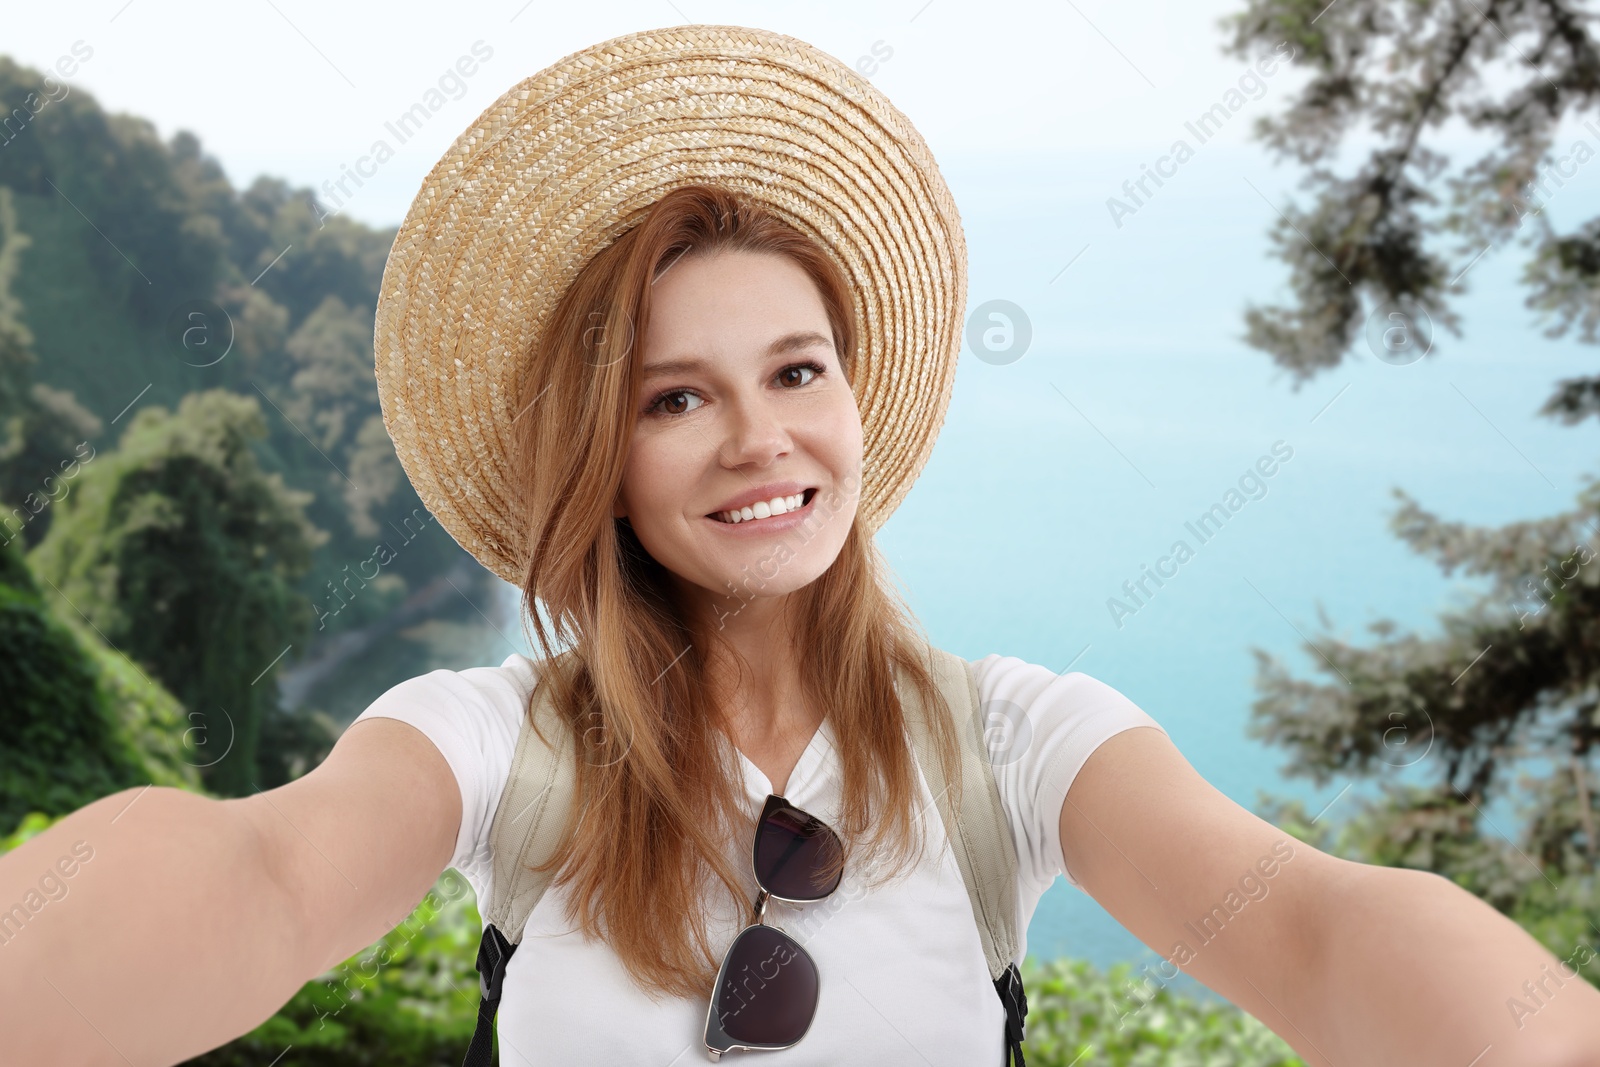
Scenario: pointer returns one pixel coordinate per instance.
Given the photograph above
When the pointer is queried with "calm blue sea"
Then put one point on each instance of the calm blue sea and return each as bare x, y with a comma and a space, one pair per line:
1137, 405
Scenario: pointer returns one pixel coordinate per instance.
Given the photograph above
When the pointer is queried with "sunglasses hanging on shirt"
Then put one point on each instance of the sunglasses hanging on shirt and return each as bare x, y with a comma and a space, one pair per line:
765, 996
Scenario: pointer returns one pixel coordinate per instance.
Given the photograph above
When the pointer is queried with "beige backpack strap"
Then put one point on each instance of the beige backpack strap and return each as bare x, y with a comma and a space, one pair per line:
532, 813
979, 833
527, 827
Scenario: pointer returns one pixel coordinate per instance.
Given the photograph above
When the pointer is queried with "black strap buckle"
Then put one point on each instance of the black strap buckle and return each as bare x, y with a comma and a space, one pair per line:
1015, 999
493, 953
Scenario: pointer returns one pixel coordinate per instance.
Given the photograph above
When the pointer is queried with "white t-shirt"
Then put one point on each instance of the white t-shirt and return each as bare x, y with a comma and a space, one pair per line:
902, 976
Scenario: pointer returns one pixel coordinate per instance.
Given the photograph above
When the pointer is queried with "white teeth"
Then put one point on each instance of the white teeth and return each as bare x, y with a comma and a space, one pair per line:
762, 509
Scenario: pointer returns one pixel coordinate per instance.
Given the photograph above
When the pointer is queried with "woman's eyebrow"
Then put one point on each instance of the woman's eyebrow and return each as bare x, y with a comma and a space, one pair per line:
797, 340
789, 342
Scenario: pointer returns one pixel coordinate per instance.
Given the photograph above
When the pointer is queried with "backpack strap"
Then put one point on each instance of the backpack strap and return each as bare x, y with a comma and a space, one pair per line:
980, 833
537, 799
532, 813
528, 822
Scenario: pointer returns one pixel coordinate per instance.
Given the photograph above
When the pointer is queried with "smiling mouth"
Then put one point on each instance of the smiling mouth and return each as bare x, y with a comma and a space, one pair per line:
749, 513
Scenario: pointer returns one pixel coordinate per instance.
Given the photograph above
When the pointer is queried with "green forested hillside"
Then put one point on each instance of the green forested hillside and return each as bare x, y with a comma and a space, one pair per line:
132, 275
81, 719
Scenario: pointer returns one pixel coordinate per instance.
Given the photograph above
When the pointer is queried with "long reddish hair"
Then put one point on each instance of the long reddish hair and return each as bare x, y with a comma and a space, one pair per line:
660, 798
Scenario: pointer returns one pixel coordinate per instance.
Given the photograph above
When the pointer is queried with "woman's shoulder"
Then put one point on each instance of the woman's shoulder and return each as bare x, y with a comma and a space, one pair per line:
472, 717
1003, 678
471, 689
1040, 727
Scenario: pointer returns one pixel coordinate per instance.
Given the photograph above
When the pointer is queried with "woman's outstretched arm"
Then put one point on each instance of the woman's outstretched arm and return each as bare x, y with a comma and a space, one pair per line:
1350, 963
187, 921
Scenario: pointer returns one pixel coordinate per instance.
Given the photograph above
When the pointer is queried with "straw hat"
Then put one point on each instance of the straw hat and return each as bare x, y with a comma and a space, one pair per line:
569, 158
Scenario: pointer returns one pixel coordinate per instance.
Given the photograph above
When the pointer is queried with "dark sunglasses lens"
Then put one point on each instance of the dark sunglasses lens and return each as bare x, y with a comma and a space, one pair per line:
797, 857
768, 992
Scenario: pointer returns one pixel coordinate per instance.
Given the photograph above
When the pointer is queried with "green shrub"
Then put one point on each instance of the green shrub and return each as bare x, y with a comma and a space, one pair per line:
1078, 1015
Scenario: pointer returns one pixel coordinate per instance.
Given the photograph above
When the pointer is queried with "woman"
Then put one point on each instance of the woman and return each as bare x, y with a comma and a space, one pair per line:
667, 376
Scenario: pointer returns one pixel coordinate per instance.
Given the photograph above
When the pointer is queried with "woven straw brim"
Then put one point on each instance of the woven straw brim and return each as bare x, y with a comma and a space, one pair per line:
567, 159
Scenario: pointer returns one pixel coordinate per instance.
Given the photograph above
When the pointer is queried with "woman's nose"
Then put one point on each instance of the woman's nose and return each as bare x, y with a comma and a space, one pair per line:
755, 432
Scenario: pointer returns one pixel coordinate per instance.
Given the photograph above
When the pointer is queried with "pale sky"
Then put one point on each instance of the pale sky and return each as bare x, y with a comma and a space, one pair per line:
299, 89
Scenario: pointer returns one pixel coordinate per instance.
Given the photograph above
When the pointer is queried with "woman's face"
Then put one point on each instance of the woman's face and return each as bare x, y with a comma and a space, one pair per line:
743, 400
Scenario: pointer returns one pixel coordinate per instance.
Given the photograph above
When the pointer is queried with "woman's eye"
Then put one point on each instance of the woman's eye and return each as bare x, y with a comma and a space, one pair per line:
814, 369
665, 402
